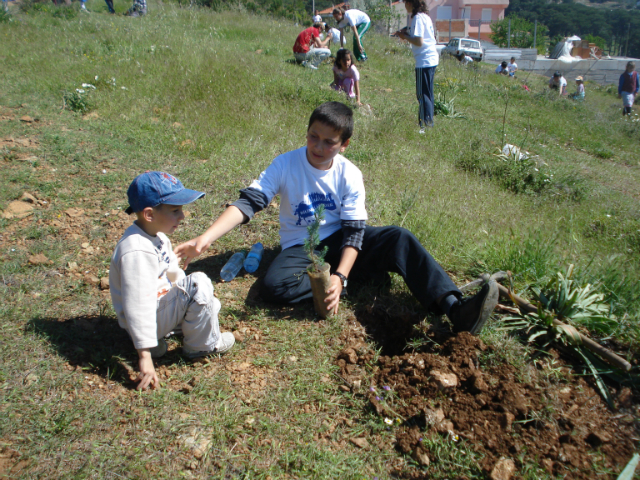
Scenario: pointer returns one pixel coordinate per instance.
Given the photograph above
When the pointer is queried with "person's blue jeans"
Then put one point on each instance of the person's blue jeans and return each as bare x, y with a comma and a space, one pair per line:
424, 92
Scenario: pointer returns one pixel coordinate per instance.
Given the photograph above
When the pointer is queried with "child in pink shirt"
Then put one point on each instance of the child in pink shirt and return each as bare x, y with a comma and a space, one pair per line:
346, 77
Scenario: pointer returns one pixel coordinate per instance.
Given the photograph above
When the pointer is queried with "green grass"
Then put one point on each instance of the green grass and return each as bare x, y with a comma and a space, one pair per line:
213, 98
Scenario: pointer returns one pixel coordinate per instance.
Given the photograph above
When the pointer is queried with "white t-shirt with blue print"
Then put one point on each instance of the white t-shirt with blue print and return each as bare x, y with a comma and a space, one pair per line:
302, 188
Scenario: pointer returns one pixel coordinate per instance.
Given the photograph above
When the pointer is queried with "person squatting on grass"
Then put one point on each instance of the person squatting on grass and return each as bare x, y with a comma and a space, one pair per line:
502, 69
346, 77
336, 36
580, 93
150, 293
359, 22
512, 68
628, 87
422, 38
558, 82
308, 49
317, 175
138, 9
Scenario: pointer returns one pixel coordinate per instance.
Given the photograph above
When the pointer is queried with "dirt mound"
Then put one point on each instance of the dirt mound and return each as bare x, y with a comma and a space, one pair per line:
559, 421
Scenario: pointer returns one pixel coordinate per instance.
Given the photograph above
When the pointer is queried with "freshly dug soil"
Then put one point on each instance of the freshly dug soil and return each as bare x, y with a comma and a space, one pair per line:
545, 416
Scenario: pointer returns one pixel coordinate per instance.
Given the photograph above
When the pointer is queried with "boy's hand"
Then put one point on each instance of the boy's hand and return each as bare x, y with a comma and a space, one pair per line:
148, 376
334, 291
189, 250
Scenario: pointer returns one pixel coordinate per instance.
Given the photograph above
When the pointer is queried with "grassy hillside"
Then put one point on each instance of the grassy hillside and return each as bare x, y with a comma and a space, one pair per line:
213, 98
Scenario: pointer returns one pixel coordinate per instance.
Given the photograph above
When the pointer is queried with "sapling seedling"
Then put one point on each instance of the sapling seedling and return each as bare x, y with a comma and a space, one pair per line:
313, 241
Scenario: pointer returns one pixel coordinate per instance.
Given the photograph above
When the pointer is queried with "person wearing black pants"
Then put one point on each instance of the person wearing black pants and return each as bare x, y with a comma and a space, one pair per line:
384, 249
319, 176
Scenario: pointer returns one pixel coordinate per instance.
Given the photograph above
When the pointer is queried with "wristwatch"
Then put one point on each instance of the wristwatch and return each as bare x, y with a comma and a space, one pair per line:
343, 278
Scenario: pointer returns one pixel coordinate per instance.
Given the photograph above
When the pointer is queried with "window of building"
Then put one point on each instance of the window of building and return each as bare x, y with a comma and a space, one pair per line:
486, 15
444, 12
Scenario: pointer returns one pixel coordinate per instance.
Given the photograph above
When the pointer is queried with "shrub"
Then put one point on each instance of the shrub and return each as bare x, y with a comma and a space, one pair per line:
77, 102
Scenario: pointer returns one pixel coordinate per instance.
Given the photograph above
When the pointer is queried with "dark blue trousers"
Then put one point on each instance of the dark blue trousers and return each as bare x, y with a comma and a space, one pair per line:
424, 92
384, 249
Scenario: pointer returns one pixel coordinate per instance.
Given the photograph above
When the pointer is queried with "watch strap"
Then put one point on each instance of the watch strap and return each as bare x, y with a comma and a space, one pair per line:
344, 279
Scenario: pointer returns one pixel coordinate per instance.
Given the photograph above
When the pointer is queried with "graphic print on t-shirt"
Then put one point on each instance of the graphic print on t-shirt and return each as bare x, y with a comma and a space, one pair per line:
305, 209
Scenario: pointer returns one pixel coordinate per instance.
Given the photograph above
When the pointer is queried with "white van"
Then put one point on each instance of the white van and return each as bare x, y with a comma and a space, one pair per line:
466, 46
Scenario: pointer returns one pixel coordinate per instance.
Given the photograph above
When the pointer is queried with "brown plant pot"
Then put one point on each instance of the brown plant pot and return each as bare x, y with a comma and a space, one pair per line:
320, 283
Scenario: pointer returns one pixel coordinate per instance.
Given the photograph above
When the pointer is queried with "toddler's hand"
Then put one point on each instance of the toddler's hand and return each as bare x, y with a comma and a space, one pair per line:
148, 376
189, 250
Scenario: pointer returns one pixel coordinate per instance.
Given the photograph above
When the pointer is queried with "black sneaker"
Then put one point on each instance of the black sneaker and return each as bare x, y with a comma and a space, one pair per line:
471, 313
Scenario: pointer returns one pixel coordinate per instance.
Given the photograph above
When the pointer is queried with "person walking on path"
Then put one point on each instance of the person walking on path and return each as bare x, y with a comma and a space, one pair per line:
628, 88
309, 50
359, 22
421, 36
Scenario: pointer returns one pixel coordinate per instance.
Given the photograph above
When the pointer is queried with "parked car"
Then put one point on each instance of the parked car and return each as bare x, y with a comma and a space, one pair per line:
466, 46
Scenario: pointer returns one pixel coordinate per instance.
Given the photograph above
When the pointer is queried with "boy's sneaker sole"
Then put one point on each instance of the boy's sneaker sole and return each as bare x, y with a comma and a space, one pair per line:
225, 343
473, 312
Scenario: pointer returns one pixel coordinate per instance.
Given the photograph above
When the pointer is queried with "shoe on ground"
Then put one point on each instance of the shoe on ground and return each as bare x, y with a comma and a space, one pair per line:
471, 313
225, 343
160, 350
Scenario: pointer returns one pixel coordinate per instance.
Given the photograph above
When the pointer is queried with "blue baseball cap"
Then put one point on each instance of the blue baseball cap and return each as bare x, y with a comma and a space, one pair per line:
151, 189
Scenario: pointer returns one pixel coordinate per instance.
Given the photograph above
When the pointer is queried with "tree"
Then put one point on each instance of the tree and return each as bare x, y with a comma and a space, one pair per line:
522, 33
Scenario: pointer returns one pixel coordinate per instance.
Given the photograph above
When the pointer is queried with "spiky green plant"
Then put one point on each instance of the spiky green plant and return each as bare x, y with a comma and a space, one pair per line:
564, 300
312, 242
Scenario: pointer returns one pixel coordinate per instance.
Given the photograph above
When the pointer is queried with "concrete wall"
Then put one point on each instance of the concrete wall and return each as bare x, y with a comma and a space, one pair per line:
603, 71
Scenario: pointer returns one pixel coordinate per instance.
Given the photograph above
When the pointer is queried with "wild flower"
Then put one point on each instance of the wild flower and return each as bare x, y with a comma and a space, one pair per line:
388, 421
387, 388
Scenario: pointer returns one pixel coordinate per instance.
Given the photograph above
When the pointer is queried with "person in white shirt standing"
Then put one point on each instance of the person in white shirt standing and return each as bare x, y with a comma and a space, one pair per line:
316, 17
421, 36
359, 22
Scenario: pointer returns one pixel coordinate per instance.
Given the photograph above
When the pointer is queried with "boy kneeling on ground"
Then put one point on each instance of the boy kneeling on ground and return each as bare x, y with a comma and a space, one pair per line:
319, 175
151, 295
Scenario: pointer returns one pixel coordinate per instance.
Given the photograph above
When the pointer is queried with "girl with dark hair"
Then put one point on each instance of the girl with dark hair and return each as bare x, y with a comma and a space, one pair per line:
359, 22
421, 36
346, 77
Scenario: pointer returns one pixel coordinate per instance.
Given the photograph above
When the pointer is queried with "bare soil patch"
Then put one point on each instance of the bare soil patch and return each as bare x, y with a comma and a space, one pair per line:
545, 414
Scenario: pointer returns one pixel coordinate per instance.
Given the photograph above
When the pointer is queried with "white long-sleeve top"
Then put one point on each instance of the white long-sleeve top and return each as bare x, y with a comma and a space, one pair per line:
143, 269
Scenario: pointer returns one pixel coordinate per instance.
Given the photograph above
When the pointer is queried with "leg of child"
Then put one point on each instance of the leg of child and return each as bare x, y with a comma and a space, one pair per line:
191, 306
347, 86
319, 55
384, 249
424, 92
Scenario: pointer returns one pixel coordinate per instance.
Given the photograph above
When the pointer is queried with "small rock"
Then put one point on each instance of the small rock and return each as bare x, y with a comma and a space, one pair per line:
201, 448
477, 383
26, 119
31, 379
177, 125
506, 420
38, 259
547, 464
444, 380
74, 212
238, 336
344, 388
17, 209
90, 279
27, 197
72, 266
360, 442
503, 470
194, 381
104, 283
259, 51
350, 355
293, 359
420, 456
625, 397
